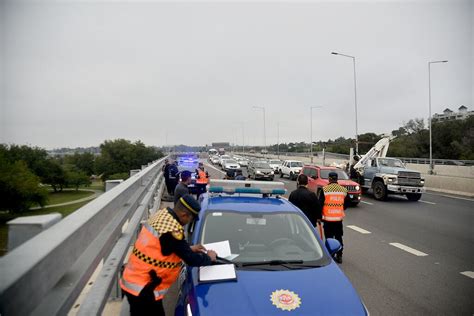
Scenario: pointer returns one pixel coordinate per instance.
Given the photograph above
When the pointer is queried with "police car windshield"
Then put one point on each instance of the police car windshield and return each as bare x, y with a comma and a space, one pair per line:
341, 175
263, 237
262, 165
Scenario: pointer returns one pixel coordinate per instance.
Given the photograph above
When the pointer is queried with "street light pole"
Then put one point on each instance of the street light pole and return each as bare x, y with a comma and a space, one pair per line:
264, 129
311, 130
355, 97
430, 171
278, 140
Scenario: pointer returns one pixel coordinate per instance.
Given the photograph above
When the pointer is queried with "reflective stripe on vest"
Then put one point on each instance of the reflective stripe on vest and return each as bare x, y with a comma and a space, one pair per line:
138, 288
202, 177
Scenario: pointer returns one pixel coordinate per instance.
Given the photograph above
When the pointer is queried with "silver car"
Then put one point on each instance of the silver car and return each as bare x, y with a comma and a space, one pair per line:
260, 170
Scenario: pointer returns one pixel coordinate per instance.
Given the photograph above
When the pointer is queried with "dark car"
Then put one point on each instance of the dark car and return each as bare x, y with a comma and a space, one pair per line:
260, 170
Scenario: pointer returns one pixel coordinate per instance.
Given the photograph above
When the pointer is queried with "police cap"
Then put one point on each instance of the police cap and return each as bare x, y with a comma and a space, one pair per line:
190, 204
332, 175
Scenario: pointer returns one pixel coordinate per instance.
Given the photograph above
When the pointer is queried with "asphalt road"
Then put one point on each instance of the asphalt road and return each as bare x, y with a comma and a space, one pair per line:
409, 258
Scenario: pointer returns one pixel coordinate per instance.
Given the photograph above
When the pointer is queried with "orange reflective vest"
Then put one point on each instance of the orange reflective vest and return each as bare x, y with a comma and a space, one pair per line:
146, 256
202, 177
333, 208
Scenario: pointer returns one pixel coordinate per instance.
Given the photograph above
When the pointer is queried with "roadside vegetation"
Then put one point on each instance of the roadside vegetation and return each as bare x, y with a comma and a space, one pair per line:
29, 177
451, 140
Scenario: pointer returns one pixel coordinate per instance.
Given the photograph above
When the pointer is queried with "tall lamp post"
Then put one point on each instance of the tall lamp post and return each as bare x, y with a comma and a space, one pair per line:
311, 129
355, 96
429, 117
278, 140
264, 129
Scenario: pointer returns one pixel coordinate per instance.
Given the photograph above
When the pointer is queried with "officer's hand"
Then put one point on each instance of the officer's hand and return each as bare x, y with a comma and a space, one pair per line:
212, 254
198, 248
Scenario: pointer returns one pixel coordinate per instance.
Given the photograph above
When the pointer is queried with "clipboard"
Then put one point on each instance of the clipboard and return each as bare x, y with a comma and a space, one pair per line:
217, 273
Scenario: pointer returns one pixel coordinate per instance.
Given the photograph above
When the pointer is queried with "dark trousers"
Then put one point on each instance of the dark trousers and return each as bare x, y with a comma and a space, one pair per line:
168, 186
200, 188
144, 307
173, 184
334, 230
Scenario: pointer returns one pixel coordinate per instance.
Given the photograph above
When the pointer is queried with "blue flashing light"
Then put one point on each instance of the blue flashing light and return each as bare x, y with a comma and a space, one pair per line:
216, 189
248, 190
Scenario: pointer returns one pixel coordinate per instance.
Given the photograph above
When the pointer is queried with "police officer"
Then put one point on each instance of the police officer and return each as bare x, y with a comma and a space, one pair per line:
173, 176
158, 255
306, 200
202, 179
182, 187
332, 199
166, 173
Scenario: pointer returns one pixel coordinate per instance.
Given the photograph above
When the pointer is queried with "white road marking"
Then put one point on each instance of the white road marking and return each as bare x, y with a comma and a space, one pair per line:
469, 274
408, 249
451, 196
366, 202
211, 166
432, 203
358, 229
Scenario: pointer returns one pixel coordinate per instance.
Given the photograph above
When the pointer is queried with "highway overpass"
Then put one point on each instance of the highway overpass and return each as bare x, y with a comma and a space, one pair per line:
402, 257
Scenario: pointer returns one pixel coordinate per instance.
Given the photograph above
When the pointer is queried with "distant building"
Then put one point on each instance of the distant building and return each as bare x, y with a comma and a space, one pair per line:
449, 115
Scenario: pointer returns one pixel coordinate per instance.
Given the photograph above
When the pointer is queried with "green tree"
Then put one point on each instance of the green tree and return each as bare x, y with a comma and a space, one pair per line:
55, 175
120, 156
83, 162
19, 187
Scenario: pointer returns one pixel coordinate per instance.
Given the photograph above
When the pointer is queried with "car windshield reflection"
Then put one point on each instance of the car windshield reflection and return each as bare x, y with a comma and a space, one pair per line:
260, 237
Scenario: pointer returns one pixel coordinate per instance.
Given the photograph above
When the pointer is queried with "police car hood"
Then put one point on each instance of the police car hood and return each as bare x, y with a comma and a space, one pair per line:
314, 291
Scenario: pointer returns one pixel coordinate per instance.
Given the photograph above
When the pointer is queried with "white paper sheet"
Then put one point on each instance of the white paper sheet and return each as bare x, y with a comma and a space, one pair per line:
222, 248
218, 272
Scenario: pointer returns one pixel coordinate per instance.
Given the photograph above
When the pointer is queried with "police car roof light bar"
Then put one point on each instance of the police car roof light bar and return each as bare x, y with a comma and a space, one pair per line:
248, 187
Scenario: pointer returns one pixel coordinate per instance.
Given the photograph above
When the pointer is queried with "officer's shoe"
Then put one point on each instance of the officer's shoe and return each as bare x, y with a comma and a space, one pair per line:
338, 258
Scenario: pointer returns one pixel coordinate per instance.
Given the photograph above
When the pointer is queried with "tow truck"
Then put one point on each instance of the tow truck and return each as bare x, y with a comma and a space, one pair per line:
387, 175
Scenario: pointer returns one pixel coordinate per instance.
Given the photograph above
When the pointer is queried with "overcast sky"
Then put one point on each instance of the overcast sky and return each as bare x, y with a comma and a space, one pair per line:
75, 73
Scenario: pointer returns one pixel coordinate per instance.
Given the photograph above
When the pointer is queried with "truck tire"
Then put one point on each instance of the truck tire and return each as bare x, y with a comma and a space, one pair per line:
281, 174
291, 175
380, 190
413, 196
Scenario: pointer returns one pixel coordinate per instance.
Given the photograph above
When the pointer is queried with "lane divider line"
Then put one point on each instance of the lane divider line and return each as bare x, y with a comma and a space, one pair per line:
211, 166
408, 249
366, 202
469, 274
427, 202
358, 229
452, 197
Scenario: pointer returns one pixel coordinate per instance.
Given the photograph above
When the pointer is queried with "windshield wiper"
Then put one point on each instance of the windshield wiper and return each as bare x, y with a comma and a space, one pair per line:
271, 263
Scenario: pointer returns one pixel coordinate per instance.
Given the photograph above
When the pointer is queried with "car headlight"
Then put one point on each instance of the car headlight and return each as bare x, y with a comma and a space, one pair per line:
357, 188
422, 181
258, 171
271, 172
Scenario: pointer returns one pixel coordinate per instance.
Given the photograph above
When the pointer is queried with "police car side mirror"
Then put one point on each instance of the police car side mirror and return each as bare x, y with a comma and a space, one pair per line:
333, 245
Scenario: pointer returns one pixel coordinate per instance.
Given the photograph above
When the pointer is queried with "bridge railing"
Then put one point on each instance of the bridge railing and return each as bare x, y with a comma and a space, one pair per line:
46, 274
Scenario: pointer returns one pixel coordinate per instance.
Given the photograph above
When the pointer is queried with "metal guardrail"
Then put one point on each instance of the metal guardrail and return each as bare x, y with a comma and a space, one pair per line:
45, 275
445, 162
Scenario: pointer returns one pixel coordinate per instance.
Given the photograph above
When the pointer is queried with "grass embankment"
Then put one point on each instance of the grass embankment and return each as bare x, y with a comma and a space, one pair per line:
53, 198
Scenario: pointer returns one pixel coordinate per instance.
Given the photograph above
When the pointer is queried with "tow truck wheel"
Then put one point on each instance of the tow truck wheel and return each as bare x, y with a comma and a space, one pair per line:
281, 174
291, 175
413, 196
380, 191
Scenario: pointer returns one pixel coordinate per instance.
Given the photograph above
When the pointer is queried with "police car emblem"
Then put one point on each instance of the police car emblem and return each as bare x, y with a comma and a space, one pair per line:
285, 300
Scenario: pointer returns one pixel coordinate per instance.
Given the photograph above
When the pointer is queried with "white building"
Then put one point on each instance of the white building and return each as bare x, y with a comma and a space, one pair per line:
449, 115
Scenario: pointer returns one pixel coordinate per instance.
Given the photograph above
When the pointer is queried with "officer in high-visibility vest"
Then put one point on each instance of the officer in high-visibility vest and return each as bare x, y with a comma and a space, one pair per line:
158, 256
332, 199
202, 179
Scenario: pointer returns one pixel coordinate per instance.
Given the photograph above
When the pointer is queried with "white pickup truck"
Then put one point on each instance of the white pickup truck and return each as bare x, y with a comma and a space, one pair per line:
290, 168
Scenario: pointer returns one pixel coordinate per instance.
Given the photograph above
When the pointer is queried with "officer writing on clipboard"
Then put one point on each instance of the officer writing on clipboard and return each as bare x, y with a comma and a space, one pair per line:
158, 255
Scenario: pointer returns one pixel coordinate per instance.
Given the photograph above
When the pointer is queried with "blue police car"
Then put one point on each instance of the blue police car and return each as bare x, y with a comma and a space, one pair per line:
281, 264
